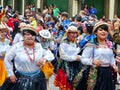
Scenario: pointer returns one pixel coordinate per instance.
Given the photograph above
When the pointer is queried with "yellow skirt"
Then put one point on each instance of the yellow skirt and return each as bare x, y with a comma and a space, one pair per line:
3, 72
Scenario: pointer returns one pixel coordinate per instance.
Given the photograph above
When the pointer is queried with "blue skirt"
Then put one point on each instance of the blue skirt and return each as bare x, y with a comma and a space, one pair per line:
25, 82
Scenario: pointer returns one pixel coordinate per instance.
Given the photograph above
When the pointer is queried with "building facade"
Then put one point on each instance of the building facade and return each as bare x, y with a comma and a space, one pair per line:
104, 7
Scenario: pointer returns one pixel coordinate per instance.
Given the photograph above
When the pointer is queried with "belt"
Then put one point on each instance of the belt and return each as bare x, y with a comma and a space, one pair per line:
105, 65
29, 73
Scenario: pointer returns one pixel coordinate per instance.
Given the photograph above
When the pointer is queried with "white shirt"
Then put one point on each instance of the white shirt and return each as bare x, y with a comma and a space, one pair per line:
103, 54
21, 59
68, 52
4, 46
18, 38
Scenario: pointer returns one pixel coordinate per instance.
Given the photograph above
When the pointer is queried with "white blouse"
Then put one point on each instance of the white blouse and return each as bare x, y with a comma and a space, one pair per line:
3, 47
21, 59
18, 38
68, 52
103, 54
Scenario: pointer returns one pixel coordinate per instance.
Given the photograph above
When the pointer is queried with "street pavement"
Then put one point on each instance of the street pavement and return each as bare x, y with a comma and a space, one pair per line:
117, 87
52, 87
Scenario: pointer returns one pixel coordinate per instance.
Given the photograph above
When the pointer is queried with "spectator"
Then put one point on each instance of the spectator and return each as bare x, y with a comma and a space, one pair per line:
64, 20
86, 10
33, 22
39, 25
44, 39
116, 36
55, 11
92, 10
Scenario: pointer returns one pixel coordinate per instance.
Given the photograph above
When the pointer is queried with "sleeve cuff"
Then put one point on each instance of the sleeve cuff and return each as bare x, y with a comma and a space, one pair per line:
73, 58
11, 73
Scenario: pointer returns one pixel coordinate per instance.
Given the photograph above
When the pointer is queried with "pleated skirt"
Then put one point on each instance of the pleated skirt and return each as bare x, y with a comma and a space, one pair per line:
66, 73
104, 79
36, 82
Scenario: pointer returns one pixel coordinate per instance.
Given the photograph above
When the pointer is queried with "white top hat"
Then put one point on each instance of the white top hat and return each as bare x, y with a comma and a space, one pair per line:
45, 34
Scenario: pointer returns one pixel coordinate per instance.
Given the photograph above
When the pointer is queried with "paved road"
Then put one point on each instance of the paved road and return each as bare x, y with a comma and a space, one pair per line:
52, 87
117, 87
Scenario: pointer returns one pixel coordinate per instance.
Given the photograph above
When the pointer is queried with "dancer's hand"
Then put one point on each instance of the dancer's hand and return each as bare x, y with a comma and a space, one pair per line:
78, 58
117, 59
97, 62
115, 68
41, 62
13, 79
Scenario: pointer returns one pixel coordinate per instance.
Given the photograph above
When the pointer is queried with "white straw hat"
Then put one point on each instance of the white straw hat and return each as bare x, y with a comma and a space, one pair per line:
45, 33
72, 29
22, 24
29, 28
99, 24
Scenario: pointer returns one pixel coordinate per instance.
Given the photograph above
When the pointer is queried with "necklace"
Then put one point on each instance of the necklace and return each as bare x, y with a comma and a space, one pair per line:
103, 46
26, 51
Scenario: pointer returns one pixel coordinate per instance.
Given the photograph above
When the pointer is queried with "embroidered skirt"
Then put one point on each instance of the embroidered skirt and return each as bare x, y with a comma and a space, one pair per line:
3, 72
82, 79
66, 73
36, 82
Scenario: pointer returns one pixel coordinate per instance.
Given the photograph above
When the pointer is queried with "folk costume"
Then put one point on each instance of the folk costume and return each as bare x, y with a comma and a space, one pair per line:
99, 77
4, 45
3, 48
104, 79
28, 73
68, 67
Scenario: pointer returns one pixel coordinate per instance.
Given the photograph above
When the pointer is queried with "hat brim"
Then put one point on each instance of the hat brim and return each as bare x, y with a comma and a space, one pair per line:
21, 26
99, 24
70, 31
47, 37
29, 29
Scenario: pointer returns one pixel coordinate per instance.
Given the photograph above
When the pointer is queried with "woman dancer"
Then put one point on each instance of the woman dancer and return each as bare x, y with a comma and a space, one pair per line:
69, 64
100, 54
4, 44
28, 57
